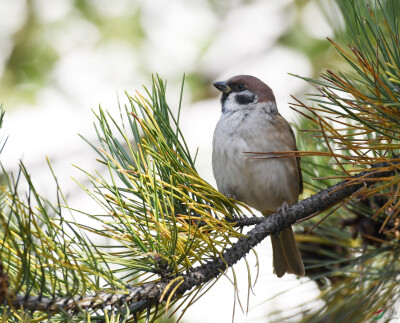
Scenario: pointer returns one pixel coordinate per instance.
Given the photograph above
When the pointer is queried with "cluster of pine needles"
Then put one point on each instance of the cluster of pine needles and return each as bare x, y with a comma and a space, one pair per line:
352, 124
161, 219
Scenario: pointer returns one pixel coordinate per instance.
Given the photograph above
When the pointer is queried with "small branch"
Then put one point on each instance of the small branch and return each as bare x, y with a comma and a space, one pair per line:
148, 294
246, 222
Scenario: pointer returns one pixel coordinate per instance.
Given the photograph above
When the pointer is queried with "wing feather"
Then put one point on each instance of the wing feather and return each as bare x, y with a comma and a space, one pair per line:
290, 139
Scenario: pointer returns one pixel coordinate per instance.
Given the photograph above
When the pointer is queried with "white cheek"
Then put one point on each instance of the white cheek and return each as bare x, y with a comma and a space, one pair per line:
230, 104
249, 94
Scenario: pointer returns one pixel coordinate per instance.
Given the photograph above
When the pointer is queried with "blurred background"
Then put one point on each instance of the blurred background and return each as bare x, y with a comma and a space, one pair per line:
60, 59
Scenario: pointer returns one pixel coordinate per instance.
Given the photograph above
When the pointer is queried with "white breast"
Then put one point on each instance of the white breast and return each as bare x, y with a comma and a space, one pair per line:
261, 183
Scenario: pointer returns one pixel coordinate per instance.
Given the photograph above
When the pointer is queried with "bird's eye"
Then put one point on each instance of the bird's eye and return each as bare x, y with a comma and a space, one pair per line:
240, 86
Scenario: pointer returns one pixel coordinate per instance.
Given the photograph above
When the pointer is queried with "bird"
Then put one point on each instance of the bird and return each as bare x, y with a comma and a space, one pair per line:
250, 122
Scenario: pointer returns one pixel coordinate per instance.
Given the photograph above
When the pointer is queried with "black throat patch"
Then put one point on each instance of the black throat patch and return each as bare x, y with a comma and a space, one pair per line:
224, 97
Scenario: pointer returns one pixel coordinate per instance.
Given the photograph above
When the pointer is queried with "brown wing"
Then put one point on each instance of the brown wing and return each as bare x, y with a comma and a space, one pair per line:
298, 159
293, 146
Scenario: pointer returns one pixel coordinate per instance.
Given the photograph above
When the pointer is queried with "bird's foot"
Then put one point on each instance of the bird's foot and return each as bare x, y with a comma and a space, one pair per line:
231, 196
284, 208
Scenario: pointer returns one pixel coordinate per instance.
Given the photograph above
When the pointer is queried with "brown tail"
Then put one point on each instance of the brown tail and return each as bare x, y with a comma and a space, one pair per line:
286, 255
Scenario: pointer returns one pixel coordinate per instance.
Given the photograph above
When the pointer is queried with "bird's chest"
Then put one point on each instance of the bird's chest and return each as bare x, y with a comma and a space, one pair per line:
238, 134
254, 181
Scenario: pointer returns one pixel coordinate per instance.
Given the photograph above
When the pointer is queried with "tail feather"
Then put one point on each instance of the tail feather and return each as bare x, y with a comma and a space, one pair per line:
279, 261
286, 255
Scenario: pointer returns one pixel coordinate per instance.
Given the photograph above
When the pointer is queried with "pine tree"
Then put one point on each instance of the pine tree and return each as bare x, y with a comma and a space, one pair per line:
172, 234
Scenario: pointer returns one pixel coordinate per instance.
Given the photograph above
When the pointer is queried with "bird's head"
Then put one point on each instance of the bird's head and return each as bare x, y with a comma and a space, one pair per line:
244, 91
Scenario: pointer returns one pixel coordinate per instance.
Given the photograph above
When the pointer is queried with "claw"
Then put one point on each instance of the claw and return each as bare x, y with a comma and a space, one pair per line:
230, 196
284, 207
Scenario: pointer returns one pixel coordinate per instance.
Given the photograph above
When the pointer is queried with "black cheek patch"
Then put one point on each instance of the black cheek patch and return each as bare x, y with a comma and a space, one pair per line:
245, 99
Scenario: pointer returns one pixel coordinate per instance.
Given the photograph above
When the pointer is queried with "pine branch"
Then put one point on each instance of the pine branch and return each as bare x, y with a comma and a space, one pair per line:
149, 294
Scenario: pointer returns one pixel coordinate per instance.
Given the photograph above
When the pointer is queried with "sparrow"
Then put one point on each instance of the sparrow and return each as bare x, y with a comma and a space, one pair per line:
250, 122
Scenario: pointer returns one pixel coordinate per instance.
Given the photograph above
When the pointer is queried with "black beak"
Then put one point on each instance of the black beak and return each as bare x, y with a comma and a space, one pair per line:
222, 86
